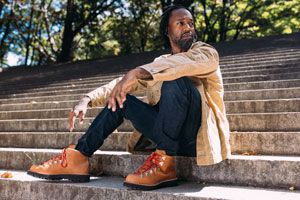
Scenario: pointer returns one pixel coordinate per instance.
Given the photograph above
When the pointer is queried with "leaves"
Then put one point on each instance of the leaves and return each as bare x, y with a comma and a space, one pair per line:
36, 29
292, 188
249, 153
6, 175
246, 19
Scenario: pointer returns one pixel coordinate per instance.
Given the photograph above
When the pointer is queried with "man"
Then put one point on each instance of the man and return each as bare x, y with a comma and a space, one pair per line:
185, 115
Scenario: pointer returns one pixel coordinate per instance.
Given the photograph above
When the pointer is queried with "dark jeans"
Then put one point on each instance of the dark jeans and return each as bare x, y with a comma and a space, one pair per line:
172, 123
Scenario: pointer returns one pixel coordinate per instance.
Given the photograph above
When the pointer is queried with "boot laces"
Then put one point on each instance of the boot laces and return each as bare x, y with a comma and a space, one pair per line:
62, 158
151, 162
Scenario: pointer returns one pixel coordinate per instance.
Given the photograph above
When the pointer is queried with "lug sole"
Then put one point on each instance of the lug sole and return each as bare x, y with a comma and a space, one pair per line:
169, 183
71, 177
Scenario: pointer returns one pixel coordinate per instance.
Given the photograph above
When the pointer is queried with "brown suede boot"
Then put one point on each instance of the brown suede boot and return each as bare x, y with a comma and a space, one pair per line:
156, 172
71, 164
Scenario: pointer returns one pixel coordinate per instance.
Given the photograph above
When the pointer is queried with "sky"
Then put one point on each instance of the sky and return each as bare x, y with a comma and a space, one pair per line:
13, 59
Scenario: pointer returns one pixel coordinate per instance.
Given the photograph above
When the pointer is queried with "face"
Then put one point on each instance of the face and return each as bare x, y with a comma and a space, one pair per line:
181, 30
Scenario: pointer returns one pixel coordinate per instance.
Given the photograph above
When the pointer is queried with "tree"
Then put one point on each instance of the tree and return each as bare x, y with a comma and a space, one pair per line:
166, 3
135, 26
79, 14
46, 31
234, 19
7, 15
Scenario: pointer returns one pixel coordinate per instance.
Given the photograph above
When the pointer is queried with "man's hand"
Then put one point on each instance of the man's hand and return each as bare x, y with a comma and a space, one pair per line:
79, 110
120, 91
118, 94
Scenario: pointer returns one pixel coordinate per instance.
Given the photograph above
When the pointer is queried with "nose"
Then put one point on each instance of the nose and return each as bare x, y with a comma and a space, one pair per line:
187, 27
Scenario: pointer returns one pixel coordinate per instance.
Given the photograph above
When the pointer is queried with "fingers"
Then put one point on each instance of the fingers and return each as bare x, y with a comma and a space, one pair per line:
118, 95
119, 99
111, 103
122, 99
81, 117
112, 99
72, 117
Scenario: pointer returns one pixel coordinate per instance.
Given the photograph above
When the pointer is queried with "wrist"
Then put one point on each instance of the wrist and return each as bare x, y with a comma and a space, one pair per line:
86, 99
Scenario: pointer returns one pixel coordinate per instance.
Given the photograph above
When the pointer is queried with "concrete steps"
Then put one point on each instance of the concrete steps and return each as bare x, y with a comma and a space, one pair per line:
280, 93
264, 121
262, 100
249, 62
255, 171
259, 66
263, 106
273, 70
62, 110
281, 121
257, 55
38, 105
239, 106
237, 79
258, 143
50, 124
25, 187
58, 140
35, 99
244, 106
252, 78
266, 143
56, 91
262, 85
83, 83
267, 67
83, 88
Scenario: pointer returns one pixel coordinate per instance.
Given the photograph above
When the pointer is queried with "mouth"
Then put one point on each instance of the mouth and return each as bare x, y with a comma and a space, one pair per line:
186, 36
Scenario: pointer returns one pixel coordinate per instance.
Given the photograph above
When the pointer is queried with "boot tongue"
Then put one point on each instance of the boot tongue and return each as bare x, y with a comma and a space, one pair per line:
160, 152
166, 162
72, 146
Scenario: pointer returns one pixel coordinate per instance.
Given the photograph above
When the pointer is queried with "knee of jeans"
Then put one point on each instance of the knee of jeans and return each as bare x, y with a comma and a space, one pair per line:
181, 85
128, 104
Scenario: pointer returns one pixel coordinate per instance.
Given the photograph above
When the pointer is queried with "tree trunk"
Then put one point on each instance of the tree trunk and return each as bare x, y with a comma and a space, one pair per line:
222, 30
68, 35
3, 44
66, 48
29, 32
165, 4
185, 3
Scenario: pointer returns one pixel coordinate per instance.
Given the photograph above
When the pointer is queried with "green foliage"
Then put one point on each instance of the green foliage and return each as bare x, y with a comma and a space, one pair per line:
135, 26
236, 19
45, 31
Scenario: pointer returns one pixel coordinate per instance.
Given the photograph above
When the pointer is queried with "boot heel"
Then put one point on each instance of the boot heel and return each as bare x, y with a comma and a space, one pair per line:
169, 184
78, 178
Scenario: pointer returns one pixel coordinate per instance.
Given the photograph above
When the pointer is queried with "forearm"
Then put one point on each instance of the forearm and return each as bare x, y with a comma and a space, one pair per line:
141, 74
99, 96
85, 100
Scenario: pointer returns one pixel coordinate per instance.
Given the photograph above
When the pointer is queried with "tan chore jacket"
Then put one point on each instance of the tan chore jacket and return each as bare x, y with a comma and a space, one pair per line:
201, 65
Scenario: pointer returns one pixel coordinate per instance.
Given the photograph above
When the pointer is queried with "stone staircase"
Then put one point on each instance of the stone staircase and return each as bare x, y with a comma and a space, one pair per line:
262, 97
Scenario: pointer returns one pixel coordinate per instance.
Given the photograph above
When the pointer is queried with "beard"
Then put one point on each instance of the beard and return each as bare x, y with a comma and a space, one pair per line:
185, 44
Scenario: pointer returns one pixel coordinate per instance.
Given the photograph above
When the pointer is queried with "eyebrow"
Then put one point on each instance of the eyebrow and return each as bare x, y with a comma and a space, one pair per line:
184, 18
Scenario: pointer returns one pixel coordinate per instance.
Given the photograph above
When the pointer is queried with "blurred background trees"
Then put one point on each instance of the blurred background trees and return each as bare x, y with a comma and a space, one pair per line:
45, 31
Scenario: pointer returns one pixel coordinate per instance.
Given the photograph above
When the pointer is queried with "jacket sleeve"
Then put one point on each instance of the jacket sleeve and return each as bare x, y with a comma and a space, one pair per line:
201, 60
100, 95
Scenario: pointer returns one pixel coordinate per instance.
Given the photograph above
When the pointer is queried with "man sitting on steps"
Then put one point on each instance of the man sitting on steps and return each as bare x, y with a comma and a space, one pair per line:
185, 114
